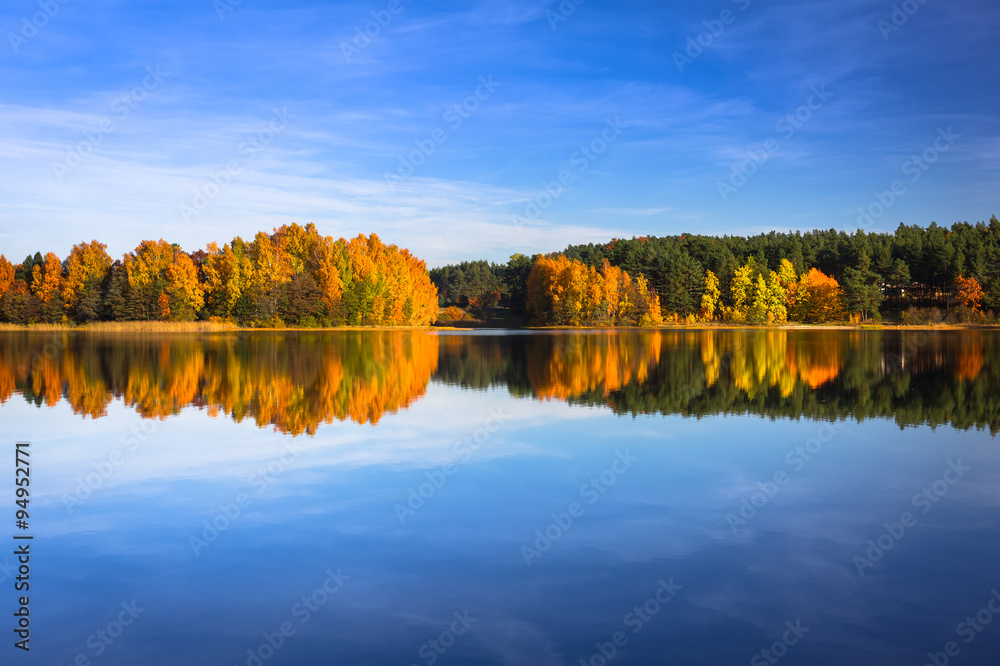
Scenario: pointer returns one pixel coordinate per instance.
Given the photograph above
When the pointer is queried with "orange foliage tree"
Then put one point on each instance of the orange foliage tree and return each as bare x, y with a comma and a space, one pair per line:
818, 298
157, 267
564, 292
6, 275
46, 279
293, 275
969, 292
297, 276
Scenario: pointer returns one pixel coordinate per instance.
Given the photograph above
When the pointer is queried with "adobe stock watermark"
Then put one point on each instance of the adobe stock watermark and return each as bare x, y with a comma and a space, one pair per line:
901, 13
230, 512
102, 639
121, 108
796, 459
786, 127
32, 25
363, 36
566, 8
86, 486
969, 629
435, 648
579, 161
925, 500
696, 44
303, 611
635, 619
436, 478
915, 168
247, 152
791, 636
454, 116
7, 570
591, 491
223, 7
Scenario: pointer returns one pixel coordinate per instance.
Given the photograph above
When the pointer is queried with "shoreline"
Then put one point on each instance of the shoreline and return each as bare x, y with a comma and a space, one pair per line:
209, 327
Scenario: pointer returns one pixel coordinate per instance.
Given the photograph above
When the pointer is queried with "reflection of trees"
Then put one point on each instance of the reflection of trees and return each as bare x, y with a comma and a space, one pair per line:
298, 381
294, 382
937, 378
574, 364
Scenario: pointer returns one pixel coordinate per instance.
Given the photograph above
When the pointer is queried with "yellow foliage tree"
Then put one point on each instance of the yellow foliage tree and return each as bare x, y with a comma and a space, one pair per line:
227, 276
789, 281
710, 298
648, 311
777, 310
383, 285
86, 262
742, 289
157, 267
566, 292
183, 288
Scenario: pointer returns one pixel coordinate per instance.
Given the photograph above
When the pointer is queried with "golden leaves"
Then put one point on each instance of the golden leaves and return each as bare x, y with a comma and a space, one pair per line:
86, 262
46, 279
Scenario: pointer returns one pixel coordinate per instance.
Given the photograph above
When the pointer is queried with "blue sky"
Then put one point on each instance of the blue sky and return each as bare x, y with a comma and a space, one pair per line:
115, 115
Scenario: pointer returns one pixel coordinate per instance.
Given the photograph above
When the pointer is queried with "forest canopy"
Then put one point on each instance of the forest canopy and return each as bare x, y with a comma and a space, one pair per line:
818, 276
292, 277
297, 277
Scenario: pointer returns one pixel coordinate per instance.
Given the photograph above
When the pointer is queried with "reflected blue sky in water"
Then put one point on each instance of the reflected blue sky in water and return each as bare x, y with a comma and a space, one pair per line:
332, 507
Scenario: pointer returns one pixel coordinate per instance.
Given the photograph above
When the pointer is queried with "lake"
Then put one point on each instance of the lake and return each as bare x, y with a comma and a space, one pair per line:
657, 497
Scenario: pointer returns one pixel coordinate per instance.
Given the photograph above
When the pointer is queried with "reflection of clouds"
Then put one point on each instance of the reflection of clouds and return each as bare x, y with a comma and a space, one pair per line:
518, 643
665, 517
189, 447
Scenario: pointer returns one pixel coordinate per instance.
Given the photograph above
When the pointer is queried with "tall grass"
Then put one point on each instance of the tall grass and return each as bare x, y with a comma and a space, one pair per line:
129, 327
33, 327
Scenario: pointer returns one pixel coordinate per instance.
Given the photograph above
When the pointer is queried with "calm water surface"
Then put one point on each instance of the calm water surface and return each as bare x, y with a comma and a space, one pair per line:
562, 498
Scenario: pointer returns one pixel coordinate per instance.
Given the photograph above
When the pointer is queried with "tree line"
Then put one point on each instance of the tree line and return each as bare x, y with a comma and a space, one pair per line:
294, 382
945, 378
293, 276
297, 382
822, 275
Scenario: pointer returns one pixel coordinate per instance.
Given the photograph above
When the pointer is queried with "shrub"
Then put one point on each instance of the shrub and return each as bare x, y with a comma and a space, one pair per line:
452, 313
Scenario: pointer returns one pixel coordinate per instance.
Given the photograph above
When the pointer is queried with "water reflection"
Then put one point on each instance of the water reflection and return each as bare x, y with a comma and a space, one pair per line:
297, 381
294, 383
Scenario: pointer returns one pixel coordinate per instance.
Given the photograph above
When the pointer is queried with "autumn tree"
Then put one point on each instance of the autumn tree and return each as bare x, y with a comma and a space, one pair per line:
158, 268
383, 285
777, 295
742, 287
789, 281
227, 278
6, 275
647, 304
46, 278
617, 303
710, 298
818, 298
565, 292
46, 283
186, 296
768, 305
969, 292
86, 269
19, 305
